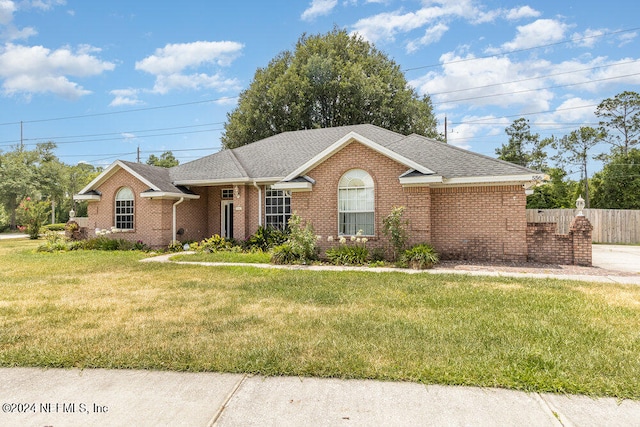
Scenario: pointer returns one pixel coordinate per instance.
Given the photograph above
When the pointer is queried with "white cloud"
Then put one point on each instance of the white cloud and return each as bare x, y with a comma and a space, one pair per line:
539, 32
521, 12
173, 58
318, 8
7, 8
431, 35
36, 69
588, 38
170, 63
487, 80
164, 84
125, 97
46, 4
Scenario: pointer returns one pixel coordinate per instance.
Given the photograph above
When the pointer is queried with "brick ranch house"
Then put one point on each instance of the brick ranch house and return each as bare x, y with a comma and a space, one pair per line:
342, 179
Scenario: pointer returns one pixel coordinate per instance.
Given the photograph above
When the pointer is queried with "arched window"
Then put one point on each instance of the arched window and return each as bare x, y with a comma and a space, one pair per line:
356, 203
124, 209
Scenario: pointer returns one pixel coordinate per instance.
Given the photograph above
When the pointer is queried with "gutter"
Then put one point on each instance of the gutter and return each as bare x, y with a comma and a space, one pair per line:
255, 184
174, 218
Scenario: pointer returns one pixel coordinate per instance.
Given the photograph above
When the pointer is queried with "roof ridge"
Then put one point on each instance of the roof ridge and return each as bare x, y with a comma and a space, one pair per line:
238, 164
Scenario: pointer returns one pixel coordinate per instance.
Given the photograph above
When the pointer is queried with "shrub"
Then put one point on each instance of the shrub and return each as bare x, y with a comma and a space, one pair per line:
394, 227
348, 255
54, 242
302, 240
266, 238
283, 254
32, 215
215, 243
55, 227
354, 253
420, 256
102, 243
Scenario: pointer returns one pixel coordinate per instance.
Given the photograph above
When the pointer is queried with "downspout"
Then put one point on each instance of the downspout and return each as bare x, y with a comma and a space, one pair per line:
174, 218
259, 203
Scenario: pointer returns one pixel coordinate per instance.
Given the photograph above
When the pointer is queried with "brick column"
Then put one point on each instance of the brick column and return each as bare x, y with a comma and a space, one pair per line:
580, 231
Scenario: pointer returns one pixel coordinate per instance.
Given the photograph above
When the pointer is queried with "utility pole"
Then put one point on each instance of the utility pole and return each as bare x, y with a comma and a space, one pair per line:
445, 129
21, 138
138, 154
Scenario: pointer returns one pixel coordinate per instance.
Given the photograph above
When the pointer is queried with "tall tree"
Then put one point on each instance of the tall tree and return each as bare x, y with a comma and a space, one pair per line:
524, 148
17, 179
557, 193
49, 175
166, 160
328, 80
617, 185
573, 149
620, 116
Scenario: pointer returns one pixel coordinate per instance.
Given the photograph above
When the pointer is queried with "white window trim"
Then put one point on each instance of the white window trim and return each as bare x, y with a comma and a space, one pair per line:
373, 211
285, 194
120, 215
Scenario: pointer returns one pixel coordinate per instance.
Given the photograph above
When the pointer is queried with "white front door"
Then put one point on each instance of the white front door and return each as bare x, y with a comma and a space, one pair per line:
226, 216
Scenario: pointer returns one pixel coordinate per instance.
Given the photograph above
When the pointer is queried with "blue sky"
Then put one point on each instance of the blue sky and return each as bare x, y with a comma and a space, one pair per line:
104, 78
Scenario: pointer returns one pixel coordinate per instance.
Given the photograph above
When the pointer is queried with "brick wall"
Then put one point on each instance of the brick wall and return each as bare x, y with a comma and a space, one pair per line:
545, 245
320, 206
481, 223
152, 222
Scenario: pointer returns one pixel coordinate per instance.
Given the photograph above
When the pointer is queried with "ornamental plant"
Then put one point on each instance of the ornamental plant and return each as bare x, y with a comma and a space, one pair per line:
420, 256
300, 247
352, 251
32, 216
394, 227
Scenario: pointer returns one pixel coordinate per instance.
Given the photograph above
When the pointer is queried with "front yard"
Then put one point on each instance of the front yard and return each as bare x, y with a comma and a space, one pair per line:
105, 309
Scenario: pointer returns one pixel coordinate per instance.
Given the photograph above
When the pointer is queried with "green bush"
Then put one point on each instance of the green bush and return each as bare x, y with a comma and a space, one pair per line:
394, 227
214, 243
102, 243
55, 227
302, 240
31, 215
283, 254
54, 242
420, 256
348, 255
265, 238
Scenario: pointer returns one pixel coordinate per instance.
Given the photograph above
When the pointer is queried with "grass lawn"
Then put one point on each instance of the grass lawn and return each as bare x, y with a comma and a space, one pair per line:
225, 256
101, 309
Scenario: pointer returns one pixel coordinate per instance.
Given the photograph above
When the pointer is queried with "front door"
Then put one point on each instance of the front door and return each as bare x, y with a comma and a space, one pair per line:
226, 214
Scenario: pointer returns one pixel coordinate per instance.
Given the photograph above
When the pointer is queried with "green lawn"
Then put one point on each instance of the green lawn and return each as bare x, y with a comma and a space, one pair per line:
107, 310
226, 256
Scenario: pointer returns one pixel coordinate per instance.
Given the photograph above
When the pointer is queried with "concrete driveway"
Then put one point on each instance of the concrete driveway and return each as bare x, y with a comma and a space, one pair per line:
617, 257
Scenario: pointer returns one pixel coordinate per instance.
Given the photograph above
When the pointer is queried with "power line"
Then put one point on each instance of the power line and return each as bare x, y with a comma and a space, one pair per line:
520, 50
135, 110
533, 78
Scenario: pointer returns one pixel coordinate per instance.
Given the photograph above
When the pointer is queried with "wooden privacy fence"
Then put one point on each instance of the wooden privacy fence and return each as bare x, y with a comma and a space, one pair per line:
609, 225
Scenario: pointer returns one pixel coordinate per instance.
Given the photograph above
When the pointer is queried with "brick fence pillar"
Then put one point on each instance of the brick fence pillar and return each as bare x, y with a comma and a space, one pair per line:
580, 231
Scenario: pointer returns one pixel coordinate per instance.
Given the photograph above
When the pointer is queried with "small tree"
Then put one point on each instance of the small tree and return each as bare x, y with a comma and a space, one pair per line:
394, 227
32, 215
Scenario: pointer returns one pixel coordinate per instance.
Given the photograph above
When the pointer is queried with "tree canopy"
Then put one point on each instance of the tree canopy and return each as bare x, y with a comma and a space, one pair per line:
621, 118
166, 160
524, 148
328, 80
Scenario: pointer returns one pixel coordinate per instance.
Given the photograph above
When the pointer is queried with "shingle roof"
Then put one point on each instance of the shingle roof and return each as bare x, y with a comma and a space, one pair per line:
156, 175
280, 155
453, 162
276, 156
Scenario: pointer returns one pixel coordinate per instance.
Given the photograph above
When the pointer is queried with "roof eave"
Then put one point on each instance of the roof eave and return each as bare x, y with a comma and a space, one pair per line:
162, 195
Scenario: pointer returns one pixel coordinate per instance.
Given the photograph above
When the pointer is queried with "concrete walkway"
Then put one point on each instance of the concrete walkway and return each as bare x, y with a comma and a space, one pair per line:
633, 280
57, 397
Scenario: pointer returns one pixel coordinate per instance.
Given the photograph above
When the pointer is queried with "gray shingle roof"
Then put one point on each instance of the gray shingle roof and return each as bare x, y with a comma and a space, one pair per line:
156, 175
279, 155
453, 162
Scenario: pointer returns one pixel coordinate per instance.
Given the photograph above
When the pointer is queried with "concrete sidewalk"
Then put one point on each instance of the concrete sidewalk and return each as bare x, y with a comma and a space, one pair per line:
58, 397
630, 280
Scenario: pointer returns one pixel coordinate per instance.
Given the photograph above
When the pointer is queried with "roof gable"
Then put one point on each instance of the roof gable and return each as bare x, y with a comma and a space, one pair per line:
348, 139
